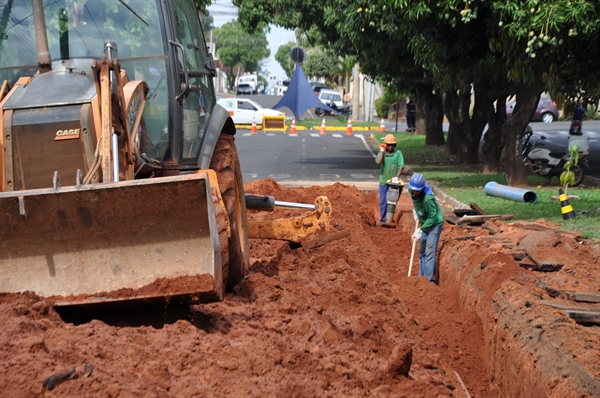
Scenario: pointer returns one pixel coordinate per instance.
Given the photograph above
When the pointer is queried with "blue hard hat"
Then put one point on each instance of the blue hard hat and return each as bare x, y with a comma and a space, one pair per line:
417, 182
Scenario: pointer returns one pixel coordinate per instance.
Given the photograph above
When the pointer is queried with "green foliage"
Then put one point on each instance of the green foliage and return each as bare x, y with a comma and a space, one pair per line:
587, 221
495, 42
382, 107
567, 177
591, 112
319, 63
390, 96
235, 46
201, 6
346, 67
283, 57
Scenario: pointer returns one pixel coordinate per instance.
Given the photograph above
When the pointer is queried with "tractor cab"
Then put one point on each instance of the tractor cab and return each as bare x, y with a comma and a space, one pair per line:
160, 43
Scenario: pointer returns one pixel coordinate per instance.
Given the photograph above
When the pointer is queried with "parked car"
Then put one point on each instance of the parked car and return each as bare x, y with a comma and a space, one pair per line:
546, 110
318, 86
327, 96
245, 88
244, 111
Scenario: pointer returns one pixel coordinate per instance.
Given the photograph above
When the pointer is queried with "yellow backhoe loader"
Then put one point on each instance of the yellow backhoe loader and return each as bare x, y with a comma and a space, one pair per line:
119, 174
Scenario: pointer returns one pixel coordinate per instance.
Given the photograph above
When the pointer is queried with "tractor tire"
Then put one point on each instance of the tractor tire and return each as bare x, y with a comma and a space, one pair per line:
226, 164
223, 239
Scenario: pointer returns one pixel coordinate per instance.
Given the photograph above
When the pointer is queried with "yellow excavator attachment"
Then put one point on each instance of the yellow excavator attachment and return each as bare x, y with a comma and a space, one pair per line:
131, 240
293, 229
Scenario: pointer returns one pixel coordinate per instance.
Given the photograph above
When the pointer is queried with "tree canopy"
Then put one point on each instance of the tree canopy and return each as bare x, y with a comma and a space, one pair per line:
319, 63
444, 51
201, 5
234, 45
282, 56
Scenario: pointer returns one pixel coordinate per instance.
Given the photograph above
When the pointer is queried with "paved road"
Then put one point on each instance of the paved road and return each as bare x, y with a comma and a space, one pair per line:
306, 157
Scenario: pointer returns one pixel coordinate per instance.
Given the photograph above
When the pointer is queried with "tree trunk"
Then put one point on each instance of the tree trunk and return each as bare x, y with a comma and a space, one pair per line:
465, 131
451, 103
478, 121
528, 96
493, 142
430, 114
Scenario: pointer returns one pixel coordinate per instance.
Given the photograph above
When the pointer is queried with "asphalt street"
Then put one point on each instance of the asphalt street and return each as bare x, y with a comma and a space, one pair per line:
308, 156
336, 157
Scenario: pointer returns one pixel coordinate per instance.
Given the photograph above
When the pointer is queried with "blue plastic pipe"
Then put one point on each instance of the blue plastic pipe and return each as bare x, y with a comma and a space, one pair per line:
492, 188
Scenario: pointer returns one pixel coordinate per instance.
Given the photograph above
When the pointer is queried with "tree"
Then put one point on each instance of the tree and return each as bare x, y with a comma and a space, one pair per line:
283, 57
551, 46
201, 6
495, 48
321, 64
343, 28
346, 66
235, 46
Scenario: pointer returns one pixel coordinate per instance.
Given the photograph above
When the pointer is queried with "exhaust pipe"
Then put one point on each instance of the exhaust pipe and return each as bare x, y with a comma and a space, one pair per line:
43, 54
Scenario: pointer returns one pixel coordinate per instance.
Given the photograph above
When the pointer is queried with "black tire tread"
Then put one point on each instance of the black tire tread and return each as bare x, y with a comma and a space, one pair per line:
225, 163
223, 239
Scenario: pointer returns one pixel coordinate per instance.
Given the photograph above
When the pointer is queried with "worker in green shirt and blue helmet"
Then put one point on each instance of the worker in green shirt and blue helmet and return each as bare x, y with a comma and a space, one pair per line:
429, 214
392, 165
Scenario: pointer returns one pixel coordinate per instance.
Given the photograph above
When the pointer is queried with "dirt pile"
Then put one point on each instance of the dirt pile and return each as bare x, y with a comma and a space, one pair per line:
341, 319
537, 290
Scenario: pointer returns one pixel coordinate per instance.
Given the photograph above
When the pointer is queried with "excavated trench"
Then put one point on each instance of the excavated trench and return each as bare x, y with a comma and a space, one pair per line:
515, 314
536, 289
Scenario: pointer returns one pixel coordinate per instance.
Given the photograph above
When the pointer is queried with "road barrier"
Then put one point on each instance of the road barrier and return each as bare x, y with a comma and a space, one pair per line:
274, 123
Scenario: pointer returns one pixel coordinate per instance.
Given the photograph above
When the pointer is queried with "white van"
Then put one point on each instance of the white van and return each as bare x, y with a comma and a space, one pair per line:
251, 79
282, 86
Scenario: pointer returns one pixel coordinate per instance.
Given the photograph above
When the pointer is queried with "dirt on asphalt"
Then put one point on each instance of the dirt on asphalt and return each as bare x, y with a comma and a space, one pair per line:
342, 319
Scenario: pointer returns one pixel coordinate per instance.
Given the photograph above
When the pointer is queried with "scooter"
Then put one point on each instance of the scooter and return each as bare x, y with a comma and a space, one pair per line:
543, 162
575, 128
344, 110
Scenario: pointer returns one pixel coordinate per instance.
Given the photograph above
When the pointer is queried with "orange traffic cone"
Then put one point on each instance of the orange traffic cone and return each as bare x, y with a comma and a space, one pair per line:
382, 126
323, 131
349, 128
293, 127
253, 131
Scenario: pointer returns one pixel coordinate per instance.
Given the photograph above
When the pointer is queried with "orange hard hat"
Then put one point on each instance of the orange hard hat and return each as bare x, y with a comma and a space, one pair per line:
389, 139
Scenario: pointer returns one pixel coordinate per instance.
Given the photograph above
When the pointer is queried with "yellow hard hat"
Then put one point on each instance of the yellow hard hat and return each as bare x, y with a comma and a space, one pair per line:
389, 139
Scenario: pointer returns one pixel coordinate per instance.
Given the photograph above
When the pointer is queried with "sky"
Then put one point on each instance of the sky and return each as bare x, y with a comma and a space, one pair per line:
224, 11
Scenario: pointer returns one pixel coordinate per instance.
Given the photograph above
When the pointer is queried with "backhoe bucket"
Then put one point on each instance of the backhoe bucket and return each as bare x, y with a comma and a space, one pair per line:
113, 242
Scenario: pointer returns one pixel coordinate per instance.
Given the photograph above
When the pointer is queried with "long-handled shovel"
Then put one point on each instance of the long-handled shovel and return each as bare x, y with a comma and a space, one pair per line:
412, 252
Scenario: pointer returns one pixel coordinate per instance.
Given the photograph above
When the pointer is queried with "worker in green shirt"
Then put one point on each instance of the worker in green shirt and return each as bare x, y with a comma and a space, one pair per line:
429, 214
392, 165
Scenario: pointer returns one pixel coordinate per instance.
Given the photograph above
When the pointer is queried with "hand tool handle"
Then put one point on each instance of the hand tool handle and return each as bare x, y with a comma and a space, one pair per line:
412, 252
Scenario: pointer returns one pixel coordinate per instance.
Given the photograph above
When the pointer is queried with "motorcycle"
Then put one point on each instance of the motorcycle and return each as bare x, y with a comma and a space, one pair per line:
575, 128
543, 162
345, 110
